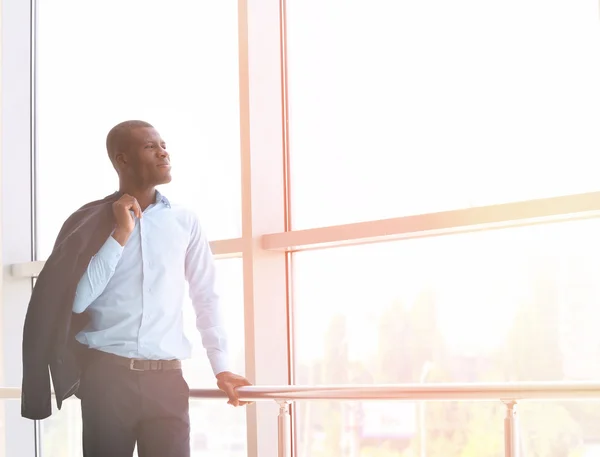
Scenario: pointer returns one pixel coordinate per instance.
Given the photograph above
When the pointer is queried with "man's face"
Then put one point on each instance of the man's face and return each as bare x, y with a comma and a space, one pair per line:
146, 160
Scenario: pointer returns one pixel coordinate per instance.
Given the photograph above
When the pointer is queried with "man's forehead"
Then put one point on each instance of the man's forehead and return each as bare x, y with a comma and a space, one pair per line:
144, 134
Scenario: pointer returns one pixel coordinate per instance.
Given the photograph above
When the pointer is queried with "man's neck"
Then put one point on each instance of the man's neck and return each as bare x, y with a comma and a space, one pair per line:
145, 197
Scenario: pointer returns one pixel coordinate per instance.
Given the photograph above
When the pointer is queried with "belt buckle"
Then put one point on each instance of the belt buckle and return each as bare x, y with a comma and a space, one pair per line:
132, 366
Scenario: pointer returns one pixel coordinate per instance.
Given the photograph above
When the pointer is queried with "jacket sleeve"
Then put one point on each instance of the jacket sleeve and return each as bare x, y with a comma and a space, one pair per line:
39, 329
37, 334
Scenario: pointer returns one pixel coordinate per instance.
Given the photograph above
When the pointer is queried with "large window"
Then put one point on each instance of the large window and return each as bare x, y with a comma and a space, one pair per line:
396, 108
174, 65
509, 305
217, 429
402, 107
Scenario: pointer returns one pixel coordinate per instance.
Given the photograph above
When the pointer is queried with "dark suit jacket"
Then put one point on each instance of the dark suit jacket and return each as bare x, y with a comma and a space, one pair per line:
50, 325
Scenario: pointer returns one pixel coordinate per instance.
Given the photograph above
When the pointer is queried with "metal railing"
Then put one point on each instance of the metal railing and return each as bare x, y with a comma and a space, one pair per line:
508, 393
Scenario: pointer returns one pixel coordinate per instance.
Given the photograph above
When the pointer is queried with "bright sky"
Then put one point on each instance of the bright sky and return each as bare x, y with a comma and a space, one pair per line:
397, 107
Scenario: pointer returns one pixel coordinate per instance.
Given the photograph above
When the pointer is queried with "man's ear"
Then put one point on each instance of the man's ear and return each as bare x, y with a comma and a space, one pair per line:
120, 159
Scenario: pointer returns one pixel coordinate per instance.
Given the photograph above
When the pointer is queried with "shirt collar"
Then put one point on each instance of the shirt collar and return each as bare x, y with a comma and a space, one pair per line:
160, 198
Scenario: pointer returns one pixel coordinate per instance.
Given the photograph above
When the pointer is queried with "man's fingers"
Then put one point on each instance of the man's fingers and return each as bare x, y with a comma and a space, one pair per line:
242, 383
230, 391
131, 203
137, 209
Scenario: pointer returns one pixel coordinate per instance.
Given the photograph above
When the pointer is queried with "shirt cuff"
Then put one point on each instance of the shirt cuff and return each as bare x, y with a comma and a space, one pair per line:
219, 361
111, 252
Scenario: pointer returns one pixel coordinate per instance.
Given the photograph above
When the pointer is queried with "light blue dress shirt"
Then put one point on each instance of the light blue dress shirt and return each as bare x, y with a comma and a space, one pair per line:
134, 294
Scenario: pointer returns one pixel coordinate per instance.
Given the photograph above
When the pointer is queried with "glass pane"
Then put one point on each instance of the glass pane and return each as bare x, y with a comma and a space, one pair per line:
61, 432
217, 429
518, 304
174, 65
16, 433
405, 107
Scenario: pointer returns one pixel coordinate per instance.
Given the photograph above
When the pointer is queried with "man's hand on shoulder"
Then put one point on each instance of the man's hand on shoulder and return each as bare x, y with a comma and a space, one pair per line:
125, 223
228, 382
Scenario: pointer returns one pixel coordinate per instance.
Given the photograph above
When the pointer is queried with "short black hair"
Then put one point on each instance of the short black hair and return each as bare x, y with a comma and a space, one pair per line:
119, 134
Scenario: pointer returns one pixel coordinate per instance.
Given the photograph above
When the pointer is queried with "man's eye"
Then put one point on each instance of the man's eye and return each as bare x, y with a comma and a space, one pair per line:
148, 146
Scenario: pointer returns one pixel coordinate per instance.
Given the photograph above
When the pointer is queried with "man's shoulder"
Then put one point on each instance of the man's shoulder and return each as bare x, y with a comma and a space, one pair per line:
87, 212
90, 209
184, 213
188, 219
98, 203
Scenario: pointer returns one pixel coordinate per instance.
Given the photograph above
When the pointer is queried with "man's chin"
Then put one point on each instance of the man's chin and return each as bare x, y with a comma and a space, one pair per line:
165, 179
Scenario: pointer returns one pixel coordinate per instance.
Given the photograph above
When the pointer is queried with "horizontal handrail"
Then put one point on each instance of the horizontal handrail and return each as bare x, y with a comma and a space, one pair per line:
416, 392
405, 392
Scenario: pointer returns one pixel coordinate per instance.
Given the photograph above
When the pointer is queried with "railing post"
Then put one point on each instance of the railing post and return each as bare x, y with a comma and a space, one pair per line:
283, 430
511, 437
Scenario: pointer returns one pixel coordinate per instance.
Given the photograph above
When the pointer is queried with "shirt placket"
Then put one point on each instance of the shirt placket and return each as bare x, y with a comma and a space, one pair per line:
146, 284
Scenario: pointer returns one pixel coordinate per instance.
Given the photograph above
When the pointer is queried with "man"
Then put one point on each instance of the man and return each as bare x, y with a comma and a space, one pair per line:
131, 385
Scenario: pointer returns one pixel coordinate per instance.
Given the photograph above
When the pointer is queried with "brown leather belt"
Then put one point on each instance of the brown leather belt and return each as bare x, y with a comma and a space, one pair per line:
140, 364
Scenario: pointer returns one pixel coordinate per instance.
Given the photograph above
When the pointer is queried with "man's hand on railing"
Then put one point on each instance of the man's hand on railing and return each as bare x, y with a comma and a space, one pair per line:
228, 382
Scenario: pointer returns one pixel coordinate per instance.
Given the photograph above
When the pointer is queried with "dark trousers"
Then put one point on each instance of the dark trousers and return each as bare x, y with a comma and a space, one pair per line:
121, 407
